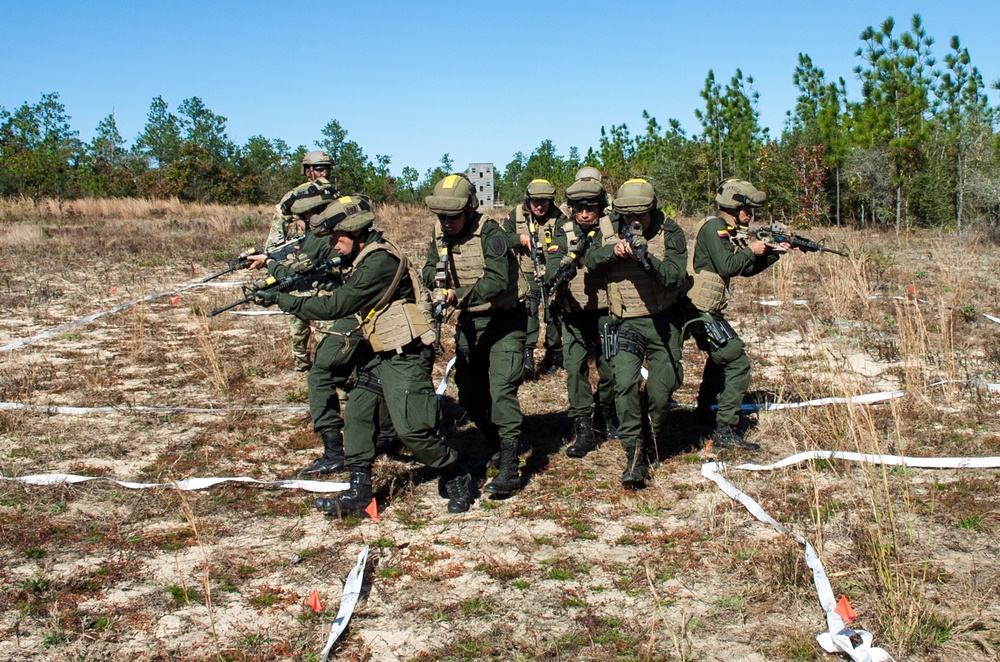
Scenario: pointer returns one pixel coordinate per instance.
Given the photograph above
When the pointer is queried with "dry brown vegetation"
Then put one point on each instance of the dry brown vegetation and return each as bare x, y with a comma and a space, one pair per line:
572, 567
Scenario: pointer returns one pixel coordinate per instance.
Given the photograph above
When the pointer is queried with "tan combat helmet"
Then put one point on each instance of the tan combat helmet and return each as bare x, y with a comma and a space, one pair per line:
586, 190
316, 159
588, 172
736, 193
453, 195
636, 196
308, 197
540, 189
348, 213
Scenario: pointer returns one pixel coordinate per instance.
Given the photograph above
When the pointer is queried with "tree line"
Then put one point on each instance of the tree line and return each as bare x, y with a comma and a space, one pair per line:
920, 147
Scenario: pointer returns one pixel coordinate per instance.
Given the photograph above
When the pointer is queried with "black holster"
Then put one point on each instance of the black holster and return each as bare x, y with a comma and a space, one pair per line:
609, 339
719, 331
366, 381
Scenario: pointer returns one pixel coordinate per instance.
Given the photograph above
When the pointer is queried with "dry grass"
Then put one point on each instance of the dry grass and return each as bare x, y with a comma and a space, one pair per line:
570, 568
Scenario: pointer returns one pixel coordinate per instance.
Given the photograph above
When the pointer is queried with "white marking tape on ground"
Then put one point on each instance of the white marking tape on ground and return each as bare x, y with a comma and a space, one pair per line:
865, 399
124, 409
991, 318
776, 302
837, 638
188, 484
91, 318
443, 384
352, 590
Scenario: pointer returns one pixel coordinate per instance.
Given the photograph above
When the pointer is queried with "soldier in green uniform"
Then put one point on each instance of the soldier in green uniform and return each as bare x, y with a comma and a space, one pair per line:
385, 298
531, 226
716, 257
644, 262
285, 227
481, 284
579, 298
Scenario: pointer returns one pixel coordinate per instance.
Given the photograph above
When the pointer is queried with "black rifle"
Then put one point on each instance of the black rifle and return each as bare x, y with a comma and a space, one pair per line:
305, 275
774, 234
241, 261
537, 257
568, 270
440, 307
631, 232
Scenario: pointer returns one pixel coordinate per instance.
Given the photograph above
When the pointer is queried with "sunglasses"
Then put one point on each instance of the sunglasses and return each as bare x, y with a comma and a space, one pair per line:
586, 206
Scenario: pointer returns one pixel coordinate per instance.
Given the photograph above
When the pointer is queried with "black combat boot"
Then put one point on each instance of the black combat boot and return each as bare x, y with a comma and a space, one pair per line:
636, 470
606, 421
387, 441
507, 481
529, 364
354, 500
551, 362
457, 487
333, 455
726, 436
585, 440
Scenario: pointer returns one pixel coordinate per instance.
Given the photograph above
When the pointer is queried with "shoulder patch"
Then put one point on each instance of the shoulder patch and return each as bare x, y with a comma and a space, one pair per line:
679, 242
497, 245
723, 234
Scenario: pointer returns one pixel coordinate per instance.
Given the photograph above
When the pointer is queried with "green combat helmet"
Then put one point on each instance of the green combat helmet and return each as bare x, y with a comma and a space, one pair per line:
636, 196
316, 159
540, 189
588, 172
587, 190
349, 213
453, 195
736, 193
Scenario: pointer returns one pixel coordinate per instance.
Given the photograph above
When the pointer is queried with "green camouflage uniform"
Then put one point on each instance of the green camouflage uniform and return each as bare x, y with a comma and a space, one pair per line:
652, 335
727, 368
583, 313
284, 227
490, 328
515, 225
399, 380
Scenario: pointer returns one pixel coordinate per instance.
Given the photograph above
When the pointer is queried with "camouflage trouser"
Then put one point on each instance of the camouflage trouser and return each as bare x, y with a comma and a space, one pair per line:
553, 333
401, 382
582, 340
489, 368
658, 340
301, 332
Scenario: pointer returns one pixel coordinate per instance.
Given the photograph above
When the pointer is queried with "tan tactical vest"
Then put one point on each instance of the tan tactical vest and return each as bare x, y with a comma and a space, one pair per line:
394, 323
709, 291
543, 235
631, 291
586, 291
469, 264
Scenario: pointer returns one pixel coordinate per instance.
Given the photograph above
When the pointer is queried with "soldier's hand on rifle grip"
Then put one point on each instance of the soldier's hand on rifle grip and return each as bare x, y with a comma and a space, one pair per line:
525, 241
265, 298
759, 248
623, 250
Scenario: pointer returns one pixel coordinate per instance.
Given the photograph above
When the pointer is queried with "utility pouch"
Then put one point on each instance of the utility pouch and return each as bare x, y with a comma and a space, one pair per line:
610, 339
632, 343
719, 331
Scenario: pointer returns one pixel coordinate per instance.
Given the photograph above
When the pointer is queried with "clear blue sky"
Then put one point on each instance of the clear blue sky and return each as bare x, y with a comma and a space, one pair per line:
417, 79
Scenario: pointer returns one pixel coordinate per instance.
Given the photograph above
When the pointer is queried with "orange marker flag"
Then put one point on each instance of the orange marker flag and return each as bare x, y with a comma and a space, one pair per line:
174, 299
844, 610
315, 602
372, 510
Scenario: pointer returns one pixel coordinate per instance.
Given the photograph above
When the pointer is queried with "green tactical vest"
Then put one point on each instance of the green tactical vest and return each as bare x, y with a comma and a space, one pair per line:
709, 291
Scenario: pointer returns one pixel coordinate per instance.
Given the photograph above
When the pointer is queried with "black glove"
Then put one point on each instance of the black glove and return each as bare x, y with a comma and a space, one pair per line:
266, 298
